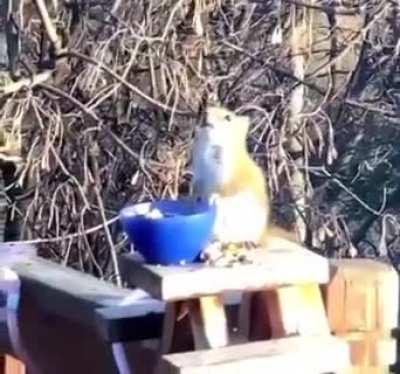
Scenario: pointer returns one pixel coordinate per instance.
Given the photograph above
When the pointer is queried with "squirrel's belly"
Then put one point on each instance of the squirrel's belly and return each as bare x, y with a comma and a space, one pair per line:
240, 218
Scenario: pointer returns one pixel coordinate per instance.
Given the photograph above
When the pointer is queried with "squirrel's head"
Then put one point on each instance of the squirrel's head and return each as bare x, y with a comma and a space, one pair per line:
225, 126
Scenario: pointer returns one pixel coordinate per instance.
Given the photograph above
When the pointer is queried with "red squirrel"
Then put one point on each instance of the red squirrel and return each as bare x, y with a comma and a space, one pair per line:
225, 173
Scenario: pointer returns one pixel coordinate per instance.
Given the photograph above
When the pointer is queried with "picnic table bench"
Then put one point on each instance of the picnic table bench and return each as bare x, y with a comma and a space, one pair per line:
116, 315
120, 317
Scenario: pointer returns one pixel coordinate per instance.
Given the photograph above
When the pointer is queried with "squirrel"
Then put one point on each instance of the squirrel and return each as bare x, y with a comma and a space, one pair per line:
225, 173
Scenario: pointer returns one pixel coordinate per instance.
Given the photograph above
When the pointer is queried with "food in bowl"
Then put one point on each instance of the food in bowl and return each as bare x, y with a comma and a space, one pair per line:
154, 214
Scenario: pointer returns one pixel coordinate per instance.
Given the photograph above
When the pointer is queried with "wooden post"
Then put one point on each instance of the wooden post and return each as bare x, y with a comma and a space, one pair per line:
13, 366
362, 305
209, 323
284, 311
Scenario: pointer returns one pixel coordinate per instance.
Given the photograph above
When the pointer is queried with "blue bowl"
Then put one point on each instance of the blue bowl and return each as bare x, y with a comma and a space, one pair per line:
182, 232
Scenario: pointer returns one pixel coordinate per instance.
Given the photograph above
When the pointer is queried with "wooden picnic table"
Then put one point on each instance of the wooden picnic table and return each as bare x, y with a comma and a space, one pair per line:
288, 278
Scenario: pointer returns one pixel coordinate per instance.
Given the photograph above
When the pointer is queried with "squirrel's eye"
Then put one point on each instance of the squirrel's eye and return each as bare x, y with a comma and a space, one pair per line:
227, 117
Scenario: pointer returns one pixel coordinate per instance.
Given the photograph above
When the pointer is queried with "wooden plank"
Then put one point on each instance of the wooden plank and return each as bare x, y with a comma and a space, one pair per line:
312, 317
245, 311
110, 310
301, 355
129, 323
170, 319
63, 290
270, 269
80, 297
208, 322
363, 304
13, 253
9, 302
9, 291
285, 311
116, 314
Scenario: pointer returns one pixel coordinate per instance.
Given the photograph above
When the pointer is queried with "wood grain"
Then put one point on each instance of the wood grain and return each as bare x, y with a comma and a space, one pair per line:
271, 269
362, 301
13, 365
302, 355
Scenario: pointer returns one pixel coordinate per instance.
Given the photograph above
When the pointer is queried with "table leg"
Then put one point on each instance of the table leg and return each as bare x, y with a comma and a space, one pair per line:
208, 322
121, 359
176, 335
254, 322
170, 316
298, 310
13, 366
10, 285
285, 311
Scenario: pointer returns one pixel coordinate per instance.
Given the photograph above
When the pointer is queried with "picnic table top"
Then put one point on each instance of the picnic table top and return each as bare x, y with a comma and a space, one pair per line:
272, 268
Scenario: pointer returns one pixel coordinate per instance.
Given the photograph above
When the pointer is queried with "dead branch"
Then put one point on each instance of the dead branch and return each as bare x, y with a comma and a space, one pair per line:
26, 83
48, 25
130, 87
